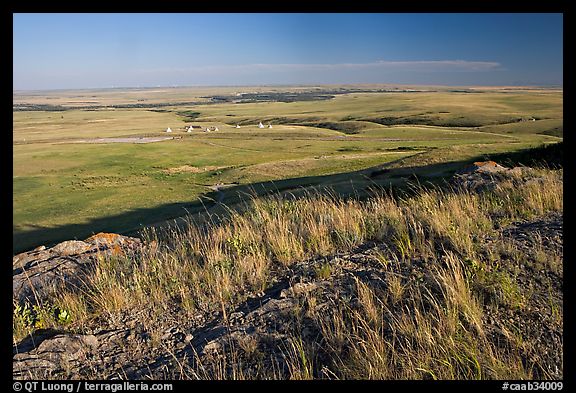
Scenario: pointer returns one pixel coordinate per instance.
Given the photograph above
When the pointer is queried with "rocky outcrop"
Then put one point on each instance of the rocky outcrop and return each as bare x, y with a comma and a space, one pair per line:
38, 273
484, 175
54, 354
483, 167
259, 328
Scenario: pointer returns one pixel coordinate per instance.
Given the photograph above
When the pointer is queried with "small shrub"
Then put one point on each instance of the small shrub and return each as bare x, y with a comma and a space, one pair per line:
323, 271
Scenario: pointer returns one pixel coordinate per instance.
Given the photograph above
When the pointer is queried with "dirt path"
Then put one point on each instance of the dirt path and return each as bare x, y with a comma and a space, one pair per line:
123, 140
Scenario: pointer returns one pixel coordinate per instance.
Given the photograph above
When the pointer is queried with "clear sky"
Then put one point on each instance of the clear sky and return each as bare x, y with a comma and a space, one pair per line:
63, 51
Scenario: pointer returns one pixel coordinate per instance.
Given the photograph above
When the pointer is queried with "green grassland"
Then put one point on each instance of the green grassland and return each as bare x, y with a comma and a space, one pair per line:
64, 187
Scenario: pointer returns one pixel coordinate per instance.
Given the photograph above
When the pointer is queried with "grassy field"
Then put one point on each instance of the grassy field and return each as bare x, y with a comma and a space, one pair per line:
66, 188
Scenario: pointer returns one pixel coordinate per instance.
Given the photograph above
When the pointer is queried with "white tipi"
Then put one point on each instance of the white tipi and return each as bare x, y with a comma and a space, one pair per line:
168, 129
269, 125
237, 125
260, 125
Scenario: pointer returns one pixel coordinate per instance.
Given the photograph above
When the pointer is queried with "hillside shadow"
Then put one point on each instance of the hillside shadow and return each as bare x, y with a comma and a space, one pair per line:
356, 184
551, 156
128, 222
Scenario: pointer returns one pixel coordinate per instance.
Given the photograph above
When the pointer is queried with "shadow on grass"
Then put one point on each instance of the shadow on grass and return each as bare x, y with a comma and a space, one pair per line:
551, 156
357, 184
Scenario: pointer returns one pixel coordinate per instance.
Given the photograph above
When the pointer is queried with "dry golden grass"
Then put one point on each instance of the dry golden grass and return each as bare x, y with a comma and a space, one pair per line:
409, 332
426, 336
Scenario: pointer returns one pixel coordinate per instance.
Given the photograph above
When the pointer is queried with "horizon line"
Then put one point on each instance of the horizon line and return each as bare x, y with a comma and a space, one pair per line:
542, 85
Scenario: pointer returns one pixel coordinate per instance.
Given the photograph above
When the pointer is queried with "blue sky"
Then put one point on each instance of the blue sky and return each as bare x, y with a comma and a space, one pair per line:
64, 51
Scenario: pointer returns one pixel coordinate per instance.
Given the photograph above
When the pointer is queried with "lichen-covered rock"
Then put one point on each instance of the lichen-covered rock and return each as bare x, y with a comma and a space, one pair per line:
482, 167
111, 240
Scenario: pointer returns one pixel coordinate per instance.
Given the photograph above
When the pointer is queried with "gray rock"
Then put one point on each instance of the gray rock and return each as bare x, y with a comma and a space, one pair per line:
482, 175
54, 355
71, 247
213, 347
38, 273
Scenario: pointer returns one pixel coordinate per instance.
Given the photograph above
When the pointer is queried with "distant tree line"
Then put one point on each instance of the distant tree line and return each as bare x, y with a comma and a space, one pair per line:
60, 108
318, 95
243, 98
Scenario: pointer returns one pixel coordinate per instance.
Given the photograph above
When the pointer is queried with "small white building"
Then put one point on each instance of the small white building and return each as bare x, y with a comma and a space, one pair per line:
189, 129
168, 129
237, 125
260, 125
